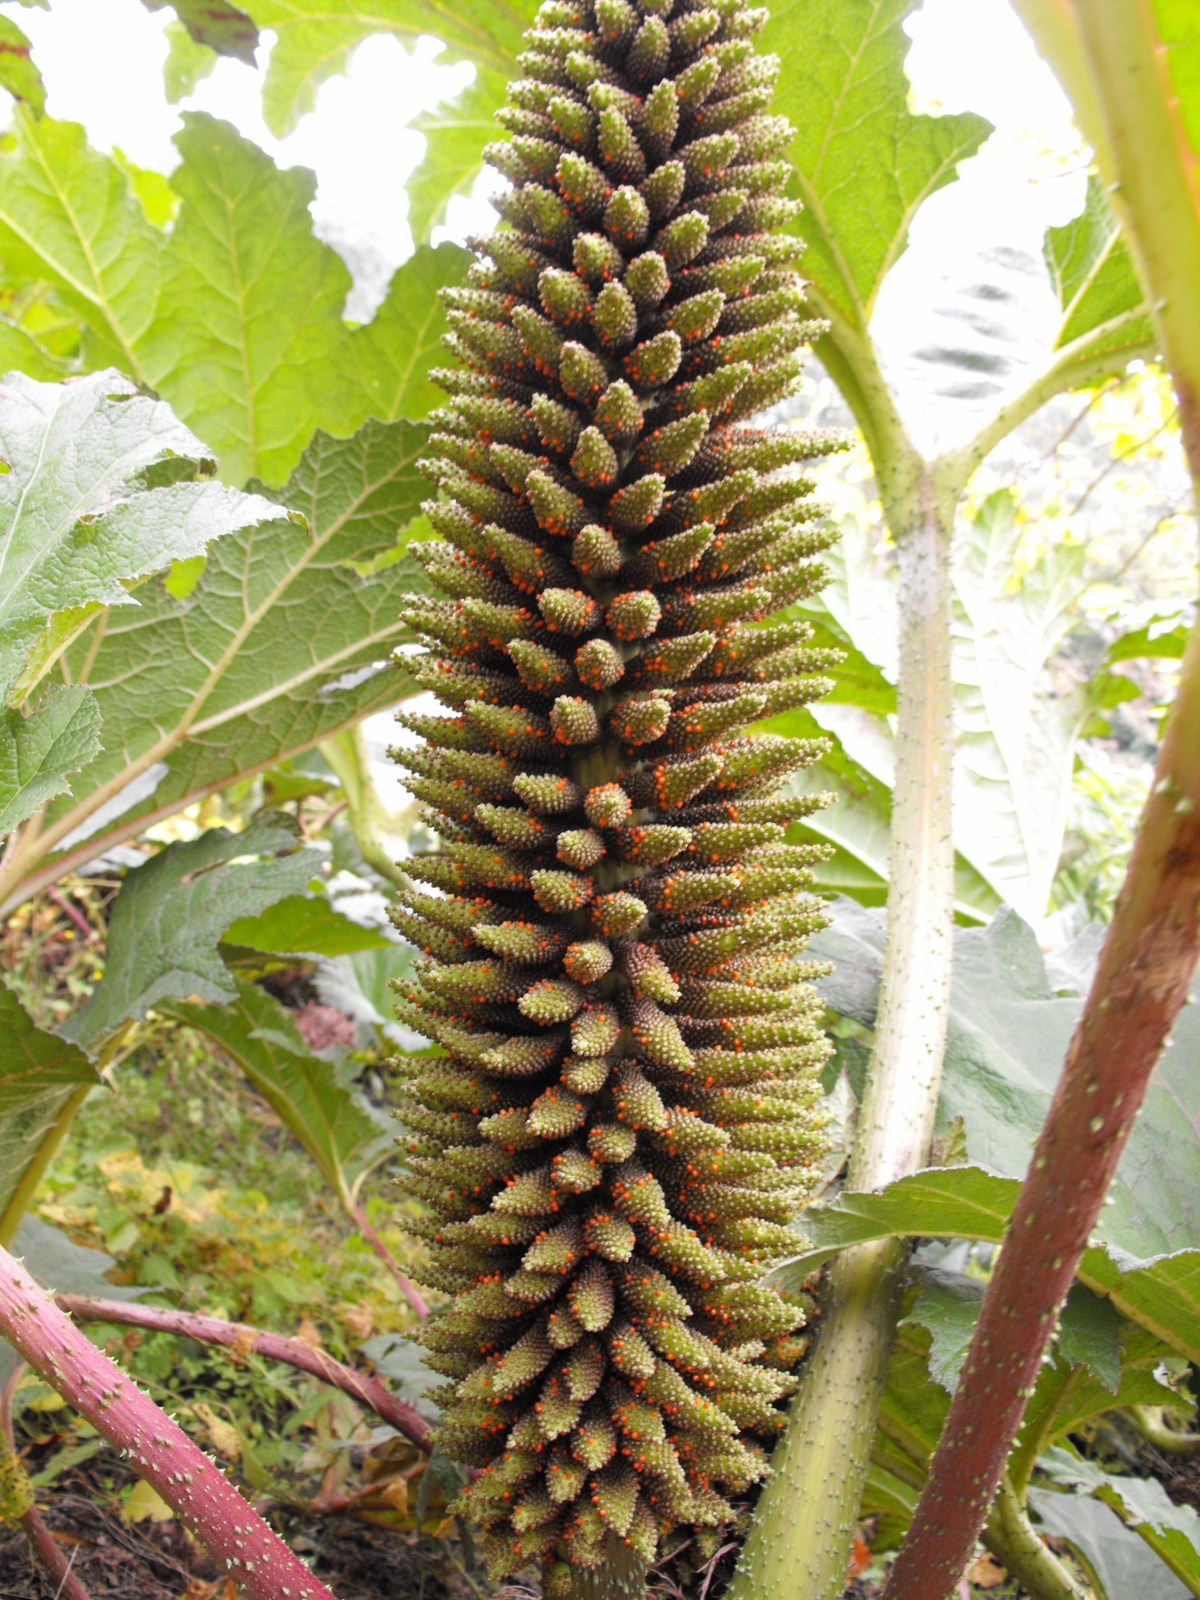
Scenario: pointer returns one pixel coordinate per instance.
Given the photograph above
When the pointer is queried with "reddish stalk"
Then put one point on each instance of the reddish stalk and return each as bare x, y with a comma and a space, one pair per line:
41, 1540
410, 1292
1145, 971
159, 1450
245, 1341
73, 915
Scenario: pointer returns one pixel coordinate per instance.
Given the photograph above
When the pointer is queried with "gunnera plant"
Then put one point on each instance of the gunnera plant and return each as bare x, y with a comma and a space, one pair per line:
624, 1118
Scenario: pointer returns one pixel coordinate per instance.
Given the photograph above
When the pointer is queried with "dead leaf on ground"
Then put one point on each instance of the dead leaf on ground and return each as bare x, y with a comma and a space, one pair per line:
986, 1572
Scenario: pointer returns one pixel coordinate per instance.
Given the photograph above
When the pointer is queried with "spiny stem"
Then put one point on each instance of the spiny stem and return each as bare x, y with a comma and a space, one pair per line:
159, 1450
245, 1341
1141, 984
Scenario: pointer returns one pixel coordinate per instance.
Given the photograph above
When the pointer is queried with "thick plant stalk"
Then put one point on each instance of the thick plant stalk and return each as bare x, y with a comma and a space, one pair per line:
624, 1118
247, 1341
1020, 1551
159, 1450
1142, 981
800, 1539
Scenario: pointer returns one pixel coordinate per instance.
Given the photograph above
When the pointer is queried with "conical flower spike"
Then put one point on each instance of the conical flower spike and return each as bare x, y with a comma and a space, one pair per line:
607, 1153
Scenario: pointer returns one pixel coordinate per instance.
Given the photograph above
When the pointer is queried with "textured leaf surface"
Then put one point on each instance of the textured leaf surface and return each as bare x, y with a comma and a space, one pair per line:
67, 215
1008, 1038
250, 321
393, 353
1096, 282
39, 1072
77, 521
235, 317
38, 751
1124, 1567
171, 913
277, 646
1172, 1531
865, 163
948, 1305
932, 1343
310, 1094
1162, 1293
316, 38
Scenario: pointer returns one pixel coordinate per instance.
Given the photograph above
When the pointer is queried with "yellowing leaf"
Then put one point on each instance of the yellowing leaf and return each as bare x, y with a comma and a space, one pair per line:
223, 1436
144, 1504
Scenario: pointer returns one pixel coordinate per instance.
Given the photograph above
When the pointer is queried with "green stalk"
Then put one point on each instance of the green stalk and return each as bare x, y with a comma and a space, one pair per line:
51, 1142
803, 1525
372, 822
22, 1195
1151, 1423
1020, 1551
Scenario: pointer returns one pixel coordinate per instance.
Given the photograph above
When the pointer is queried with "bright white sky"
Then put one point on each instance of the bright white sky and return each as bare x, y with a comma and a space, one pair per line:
102, 62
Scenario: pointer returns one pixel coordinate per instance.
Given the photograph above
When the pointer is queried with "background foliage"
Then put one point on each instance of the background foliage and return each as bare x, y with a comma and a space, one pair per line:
202, 541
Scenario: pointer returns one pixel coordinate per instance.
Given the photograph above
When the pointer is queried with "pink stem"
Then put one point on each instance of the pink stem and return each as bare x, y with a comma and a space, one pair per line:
73, 914
159, 1450
244, 1340
41, 1540
408, 1290
51, 1557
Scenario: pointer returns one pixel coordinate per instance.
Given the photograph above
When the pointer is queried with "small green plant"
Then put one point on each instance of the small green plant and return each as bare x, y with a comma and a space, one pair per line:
624, 1117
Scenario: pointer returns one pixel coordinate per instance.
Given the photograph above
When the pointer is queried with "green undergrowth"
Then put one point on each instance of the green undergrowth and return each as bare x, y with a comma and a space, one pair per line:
185, 1178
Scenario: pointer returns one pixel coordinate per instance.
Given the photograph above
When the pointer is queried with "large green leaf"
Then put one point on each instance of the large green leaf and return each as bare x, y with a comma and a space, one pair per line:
393, 353
172, 912
316, 38
948, 1303
932, 1340
69, 217
236, 315
1007, 1038
1122, 1565
79, 521
864, 162
249, 343
305, 925
279, 645
1096, 283
1162, 1293
1172, 1531
311, 1095
39, 1074
60, 734
249, 329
